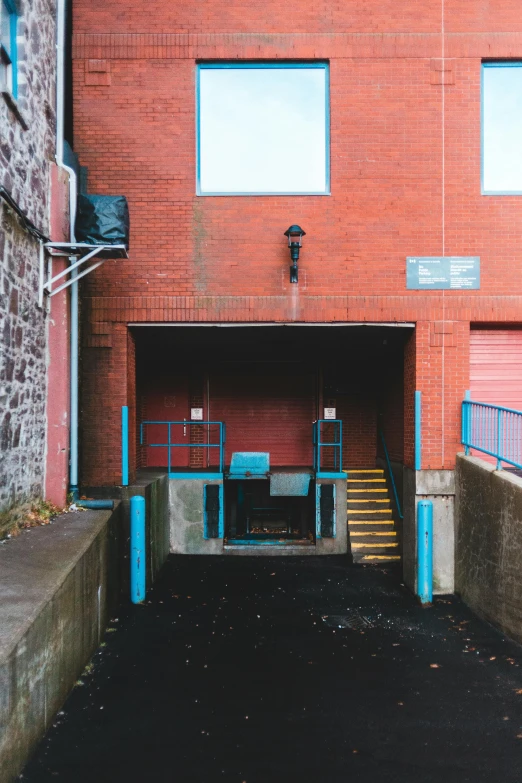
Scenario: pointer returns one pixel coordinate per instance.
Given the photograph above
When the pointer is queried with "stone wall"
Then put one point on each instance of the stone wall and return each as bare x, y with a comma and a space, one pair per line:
488, 542
27, 148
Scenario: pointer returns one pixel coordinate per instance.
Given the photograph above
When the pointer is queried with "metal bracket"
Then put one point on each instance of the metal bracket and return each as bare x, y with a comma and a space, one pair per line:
80, 250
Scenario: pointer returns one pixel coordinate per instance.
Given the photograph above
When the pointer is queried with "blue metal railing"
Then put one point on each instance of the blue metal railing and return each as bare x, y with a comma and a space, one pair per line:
390, 472
335, 442
493, 430
187, 445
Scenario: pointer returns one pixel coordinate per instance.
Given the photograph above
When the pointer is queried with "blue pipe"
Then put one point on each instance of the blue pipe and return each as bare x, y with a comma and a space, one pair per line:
99, 504
125, 446
137, 549
418, 442
425, 551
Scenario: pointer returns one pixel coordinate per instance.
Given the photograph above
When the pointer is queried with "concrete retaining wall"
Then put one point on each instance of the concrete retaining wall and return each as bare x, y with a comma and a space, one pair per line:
58, 586
186, 518
439, 487
489, 543
155, 490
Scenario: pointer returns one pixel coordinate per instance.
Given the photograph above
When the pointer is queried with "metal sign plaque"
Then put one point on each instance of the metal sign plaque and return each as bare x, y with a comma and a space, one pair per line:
443, 272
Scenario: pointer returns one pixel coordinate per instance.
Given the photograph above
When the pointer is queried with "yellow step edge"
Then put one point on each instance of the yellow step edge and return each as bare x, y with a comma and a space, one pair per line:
368, 511
376, 546
371, 522
371, 500
363, 471
367, 490
369, 558
372, 533
366, 481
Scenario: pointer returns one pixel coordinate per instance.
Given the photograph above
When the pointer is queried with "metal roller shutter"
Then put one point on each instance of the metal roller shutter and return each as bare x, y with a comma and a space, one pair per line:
496, 370
496, 366
272, 411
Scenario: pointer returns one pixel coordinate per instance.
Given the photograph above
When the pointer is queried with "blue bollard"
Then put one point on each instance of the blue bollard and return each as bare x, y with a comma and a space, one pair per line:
125, 446
425, 551
137, 549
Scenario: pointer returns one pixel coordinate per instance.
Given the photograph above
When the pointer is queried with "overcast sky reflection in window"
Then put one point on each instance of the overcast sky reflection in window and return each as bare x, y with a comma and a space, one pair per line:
263, 129
502, 128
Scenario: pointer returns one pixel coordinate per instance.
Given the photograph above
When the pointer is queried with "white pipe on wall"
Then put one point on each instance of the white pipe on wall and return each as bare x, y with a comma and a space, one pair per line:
73, 193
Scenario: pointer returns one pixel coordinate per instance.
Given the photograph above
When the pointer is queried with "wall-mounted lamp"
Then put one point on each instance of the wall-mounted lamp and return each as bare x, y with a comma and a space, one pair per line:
294, 234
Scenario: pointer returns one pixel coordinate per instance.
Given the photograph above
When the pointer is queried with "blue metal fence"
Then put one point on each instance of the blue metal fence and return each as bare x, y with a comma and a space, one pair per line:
169, 444
334, 441
392, 478
493, 430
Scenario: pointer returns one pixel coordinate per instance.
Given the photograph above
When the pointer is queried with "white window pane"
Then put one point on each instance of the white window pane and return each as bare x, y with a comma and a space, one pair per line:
502, 132
5, 29
262, 130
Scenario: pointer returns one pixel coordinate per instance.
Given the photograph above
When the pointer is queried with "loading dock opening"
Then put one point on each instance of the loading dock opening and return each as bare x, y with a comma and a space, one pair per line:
206, 395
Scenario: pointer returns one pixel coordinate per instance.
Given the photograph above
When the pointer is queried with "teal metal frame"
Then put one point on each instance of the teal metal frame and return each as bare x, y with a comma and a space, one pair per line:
124, 446
318, 511
390, 471
336, 444
246, 64
493, 430
12, 55
418, 430
170, 445
221, 523
490, 65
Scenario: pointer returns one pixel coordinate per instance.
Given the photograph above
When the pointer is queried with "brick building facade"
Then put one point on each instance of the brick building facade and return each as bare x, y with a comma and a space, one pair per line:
405, 161
33, 359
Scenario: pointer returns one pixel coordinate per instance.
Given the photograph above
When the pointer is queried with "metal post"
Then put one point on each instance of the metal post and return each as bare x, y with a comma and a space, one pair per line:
466, 423
425, 551
73, 468
500, 439
418, 441
124, 446
137, 549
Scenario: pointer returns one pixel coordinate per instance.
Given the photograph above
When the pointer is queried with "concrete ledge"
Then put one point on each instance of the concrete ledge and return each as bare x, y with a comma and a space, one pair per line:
58, 586
489, 542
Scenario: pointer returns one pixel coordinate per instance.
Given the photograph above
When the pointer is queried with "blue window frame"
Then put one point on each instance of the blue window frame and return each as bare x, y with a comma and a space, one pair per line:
263, 129
501, 127
8, 59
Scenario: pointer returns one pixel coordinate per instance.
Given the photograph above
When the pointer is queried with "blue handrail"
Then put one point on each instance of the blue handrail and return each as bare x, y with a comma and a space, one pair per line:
493, 430
170, 445
336, 444
390, 471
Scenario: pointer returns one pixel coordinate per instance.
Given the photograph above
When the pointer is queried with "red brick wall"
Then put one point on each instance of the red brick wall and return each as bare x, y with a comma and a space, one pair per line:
405, 163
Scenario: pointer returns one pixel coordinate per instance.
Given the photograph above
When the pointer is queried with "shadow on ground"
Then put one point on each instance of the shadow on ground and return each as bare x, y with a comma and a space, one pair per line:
290, 669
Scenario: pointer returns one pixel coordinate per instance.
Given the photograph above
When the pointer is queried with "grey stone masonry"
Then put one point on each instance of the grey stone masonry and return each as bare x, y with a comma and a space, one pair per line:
27, 148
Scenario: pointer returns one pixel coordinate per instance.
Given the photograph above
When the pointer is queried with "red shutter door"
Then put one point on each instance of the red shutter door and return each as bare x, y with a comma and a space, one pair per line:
496, 367
272, 412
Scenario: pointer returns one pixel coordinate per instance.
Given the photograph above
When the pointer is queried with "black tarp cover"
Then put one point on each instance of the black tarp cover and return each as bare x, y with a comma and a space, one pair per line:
102, 220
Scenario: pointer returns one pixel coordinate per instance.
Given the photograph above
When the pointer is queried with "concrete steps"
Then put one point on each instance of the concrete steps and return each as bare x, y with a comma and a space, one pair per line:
371, 528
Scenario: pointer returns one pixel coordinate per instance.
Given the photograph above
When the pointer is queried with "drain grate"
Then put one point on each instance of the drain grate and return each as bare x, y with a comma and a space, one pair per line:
353, 620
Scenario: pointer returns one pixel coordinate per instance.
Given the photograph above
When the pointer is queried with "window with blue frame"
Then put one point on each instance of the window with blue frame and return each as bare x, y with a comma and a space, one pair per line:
502, 128
263, 129
8, 70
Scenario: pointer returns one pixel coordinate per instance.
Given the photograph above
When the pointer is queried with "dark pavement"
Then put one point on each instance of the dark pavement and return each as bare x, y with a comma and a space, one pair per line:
236, 670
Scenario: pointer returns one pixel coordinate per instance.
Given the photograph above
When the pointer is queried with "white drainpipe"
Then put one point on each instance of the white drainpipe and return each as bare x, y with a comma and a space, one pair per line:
73, 190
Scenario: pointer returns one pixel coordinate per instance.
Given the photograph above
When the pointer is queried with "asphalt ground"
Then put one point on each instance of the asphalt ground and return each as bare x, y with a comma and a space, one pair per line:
277, 670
